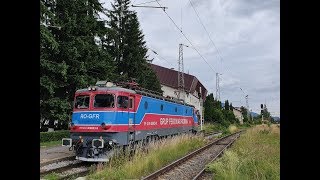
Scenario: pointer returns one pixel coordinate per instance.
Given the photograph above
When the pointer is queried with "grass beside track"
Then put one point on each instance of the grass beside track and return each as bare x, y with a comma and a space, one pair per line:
143, 163
255, 155
50, 144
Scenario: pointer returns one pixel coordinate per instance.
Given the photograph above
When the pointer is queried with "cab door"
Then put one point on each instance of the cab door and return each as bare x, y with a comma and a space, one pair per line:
131, 120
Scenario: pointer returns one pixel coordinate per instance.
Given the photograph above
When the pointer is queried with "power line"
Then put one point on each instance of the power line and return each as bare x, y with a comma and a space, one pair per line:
162, 58
190, 41
181, 15
218, 51
145, 2
186, 37
199, 19
218, 87
205, 29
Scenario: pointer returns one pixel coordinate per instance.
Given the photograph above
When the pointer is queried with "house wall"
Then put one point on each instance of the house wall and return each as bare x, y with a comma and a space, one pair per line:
238, 115
191, 99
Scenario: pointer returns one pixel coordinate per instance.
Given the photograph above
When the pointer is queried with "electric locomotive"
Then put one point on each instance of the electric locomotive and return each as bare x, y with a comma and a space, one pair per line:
111, 115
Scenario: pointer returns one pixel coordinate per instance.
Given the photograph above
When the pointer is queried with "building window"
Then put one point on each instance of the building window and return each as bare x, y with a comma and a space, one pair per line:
146, 105
161, 107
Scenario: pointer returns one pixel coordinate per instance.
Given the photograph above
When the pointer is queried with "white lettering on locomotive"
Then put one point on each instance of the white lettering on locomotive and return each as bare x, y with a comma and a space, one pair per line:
172, 121
89, 116
85, 127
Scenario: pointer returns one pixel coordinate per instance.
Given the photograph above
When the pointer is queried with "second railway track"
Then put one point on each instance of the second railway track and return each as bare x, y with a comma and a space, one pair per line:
192, 166
189, 167
66, 169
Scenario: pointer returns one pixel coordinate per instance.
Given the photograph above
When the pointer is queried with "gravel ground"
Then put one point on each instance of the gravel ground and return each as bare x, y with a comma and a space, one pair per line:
58, 165
206, 176
73, 171
52, 153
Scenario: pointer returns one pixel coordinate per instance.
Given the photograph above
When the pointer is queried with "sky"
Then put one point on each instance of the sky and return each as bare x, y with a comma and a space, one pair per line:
245, 46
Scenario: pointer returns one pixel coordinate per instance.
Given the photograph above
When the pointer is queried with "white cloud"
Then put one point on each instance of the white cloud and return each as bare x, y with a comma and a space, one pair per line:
246, 32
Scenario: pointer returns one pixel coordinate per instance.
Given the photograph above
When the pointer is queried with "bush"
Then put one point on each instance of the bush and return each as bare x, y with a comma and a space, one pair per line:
246, 124
269, 123
54, 136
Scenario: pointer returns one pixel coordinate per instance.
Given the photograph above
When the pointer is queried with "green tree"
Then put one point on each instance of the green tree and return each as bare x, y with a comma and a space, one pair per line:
214, 113
244, 114
266, 113
226, 105
231, 107
81, 27
208, 108
218, 117
229, 116
53, 74
128, 46
72, 56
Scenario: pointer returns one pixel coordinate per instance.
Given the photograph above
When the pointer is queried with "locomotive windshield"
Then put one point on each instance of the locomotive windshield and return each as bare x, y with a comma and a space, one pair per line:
82, 102
104, 101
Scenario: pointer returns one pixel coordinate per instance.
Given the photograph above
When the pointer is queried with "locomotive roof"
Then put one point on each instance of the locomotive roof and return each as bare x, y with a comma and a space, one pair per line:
116, 88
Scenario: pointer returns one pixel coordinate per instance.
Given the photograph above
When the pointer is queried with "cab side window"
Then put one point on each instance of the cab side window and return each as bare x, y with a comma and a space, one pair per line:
122, 102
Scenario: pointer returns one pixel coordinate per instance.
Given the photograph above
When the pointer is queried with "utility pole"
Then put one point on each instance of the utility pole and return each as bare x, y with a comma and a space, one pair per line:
181, 88
201, 113
247, 104
217, 87
261, 112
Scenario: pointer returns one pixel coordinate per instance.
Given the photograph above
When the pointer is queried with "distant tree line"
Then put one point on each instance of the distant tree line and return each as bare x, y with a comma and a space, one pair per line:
266, 115
78, 48
215, 113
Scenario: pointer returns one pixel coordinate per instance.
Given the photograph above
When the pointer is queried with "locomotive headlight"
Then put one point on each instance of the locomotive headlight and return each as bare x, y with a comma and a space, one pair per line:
110, 142
66, 142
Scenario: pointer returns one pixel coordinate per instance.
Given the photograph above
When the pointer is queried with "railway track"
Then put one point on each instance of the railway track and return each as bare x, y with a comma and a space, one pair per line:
192, 166
66, 168
69, 168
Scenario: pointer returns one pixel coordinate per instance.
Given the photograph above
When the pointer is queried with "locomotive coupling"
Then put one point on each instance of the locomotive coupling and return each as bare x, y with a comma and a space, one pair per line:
98, 143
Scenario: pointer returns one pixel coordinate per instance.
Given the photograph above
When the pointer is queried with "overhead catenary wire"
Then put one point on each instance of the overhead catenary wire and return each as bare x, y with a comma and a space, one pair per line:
200, 21
192, 46
144, 2
196, 12
161, 58
211, 40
